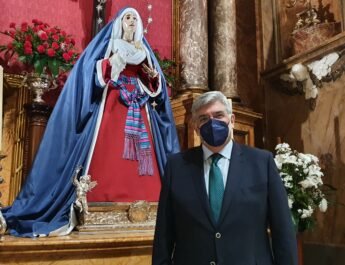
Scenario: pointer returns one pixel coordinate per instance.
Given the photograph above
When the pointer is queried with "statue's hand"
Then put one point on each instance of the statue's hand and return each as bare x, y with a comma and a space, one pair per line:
150, 71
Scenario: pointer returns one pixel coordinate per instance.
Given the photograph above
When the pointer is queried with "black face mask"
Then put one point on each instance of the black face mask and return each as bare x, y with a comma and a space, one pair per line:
214, 132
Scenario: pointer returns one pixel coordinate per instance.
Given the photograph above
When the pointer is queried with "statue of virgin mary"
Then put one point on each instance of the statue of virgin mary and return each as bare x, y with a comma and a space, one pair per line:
113, 119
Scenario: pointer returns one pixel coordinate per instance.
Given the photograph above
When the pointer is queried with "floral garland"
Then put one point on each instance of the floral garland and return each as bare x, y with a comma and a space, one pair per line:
302, 178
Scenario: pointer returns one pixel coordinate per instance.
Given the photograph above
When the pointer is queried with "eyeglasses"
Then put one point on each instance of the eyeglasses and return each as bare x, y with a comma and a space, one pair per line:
203, 118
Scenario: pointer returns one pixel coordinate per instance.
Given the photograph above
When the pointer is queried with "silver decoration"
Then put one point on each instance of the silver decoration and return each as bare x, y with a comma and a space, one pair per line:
3, 225
99, 16
99, 8
39, 84
83, 186
193, 44
137, 216
223, 57
139, 211
149, 19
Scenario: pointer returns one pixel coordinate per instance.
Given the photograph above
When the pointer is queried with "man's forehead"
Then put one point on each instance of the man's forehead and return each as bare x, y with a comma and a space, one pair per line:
212, 107
213, 113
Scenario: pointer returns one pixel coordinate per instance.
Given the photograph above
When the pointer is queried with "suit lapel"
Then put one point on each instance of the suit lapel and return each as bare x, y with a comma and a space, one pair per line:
234, 178
199, 179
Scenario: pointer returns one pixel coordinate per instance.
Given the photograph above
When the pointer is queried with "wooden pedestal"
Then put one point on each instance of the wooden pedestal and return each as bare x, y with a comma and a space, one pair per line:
37, 115
106, 248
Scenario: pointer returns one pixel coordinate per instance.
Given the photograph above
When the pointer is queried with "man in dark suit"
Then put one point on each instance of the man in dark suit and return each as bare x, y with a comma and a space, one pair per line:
219, 200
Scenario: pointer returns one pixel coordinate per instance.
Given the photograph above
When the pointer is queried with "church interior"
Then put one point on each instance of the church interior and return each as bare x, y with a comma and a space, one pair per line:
281, 62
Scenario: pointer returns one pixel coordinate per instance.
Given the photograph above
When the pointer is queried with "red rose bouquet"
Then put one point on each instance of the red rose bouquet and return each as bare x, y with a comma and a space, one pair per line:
43, 49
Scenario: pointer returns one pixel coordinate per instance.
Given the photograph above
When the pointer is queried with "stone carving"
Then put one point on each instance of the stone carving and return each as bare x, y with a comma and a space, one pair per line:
300, 73
307, 17
308, 78
315, 24
322, 68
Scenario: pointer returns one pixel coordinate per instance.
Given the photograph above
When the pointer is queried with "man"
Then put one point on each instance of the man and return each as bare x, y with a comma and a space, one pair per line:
219, 200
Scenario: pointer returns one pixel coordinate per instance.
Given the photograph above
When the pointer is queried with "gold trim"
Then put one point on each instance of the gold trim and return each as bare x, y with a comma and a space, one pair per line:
176, 43
15, 82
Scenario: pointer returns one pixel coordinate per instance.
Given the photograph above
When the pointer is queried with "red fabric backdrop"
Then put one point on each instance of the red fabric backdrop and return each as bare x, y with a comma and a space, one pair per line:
75, 17
160, 30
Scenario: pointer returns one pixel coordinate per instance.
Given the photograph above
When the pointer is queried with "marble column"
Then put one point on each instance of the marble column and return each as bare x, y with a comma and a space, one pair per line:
222, 47
193, 43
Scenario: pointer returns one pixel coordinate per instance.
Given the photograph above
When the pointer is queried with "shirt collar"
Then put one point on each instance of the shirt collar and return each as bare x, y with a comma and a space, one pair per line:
225, 152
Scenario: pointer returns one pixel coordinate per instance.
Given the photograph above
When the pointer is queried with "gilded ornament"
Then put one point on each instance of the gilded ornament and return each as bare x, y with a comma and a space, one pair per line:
139, 211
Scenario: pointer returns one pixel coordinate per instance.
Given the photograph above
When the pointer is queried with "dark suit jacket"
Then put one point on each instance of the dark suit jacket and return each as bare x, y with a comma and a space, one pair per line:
254, 200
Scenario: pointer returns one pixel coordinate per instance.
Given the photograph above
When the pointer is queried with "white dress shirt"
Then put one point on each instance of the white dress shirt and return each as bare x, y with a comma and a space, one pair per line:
223, 163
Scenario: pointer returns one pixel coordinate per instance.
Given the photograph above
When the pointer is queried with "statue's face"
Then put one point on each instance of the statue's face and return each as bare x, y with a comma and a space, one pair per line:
129, 22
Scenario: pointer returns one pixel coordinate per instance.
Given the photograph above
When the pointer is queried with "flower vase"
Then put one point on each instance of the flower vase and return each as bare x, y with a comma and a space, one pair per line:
39, 84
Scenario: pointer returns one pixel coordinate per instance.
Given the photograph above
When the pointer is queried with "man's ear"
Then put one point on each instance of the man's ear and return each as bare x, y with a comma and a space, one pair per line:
196, 128
232, 120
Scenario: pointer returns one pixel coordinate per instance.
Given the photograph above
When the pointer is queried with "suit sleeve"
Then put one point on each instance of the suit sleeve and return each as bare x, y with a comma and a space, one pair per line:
164, 233
283, 235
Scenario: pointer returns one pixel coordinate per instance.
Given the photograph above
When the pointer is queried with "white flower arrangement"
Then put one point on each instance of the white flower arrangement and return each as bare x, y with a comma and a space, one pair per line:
302, 178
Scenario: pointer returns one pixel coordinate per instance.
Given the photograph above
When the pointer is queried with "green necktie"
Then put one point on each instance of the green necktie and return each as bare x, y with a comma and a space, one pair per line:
216, 186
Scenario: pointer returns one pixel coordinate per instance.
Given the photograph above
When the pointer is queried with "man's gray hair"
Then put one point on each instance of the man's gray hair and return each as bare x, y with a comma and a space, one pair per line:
208, 98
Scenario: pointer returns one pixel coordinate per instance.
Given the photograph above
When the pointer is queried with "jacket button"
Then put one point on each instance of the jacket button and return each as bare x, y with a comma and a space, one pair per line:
218, 235
212, 263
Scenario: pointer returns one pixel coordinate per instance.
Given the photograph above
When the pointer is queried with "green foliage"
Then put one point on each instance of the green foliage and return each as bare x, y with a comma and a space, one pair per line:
41, 48
168, 67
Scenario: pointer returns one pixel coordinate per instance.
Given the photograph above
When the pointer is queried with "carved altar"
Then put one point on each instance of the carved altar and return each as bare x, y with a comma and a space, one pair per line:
121, 233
